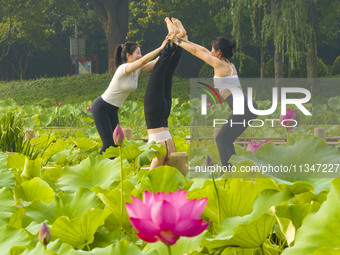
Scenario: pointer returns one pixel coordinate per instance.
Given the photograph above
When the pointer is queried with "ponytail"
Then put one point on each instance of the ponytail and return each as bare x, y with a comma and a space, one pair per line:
117, 56
121, 51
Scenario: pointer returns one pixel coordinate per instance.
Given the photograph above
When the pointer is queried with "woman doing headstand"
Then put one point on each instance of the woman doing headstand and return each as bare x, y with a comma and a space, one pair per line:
157, 99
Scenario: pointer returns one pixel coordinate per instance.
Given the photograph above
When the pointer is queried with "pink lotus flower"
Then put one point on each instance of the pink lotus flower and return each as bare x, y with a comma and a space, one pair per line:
287, 119
60, 104
44, 234
88, 108
253, 146
118, 135
209, 104
166, 217
55, 102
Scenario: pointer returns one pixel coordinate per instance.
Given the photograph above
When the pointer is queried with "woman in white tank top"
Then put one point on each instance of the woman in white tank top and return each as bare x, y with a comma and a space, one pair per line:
219, 57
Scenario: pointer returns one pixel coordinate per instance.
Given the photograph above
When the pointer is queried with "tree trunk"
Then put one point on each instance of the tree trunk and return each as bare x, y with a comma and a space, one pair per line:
262, 60
262, 66
113, 16
311, 46
278, 60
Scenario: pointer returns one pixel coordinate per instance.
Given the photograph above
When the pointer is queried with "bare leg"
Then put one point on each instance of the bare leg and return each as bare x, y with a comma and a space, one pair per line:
182, 32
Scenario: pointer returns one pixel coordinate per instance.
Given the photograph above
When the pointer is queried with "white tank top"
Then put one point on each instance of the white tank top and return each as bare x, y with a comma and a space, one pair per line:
121, 86
223, 82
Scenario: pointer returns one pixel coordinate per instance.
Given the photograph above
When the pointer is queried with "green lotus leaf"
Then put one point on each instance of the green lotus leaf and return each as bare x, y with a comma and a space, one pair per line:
85, 144
131, 152
320, 230
235, 200
334, 103
287, 228
328, 251
308, 150
72, 205
55, 247
7, 207
34, 189
52, 174
3, 160
120, 248
10, 237
79, 232
296, 212
163, 178
93, 171
249, 234
59, 146
316, 184
251, 230
16, 218
184, 245
16, 160
150, 150
112, 200
7, 179
266, 249
111, 152
31, 169
44, 119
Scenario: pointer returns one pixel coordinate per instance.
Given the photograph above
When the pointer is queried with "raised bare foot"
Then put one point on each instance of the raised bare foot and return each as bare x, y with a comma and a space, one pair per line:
173, 30
182, 32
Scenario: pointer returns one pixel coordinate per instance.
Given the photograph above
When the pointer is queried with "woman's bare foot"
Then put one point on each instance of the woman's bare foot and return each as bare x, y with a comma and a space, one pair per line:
173, 30
182, 32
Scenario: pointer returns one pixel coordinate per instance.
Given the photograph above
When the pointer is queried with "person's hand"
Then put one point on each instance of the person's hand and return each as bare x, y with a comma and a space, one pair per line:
173, 38
165, 41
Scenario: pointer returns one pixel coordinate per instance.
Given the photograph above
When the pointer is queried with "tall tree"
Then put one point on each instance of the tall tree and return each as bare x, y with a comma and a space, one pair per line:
278, 61
311, 44
113, 16
26, 25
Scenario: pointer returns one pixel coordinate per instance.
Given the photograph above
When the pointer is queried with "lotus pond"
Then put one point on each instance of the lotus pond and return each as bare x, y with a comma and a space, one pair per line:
58, 178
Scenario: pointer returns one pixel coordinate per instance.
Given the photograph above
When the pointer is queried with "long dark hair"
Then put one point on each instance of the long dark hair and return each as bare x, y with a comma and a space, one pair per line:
121, 51
225, 45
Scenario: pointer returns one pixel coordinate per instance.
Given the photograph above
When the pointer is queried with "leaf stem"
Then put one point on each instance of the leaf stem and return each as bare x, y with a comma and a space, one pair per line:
218, 200
121, 192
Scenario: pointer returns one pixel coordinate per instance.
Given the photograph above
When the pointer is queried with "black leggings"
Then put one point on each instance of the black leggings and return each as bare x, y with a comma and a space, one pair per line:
228, 134
105, 118
157, 98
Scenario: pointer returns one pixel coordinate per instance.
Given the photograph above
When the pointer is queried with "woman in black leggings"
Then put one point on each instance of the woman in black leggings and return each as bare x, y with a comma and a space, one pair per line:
225, 73
129, 63
157, 99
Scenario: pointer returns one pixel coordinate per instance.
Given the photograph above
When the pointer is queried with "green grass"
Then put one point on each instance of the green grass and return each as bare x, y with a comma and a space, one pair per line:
80, 88
76, 89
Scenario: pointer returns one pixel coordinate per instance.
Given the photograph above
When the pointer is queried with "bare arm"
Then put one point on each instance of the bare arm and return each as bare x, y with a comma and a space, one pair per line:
149, 66
131, 67
199, 51
199, 47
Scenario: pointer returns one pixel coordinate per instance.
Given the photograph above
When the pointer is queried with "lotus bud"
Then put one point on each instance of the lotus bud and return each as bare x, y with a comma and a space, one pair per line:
290, 115
118, 135
209, 161
44, 234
